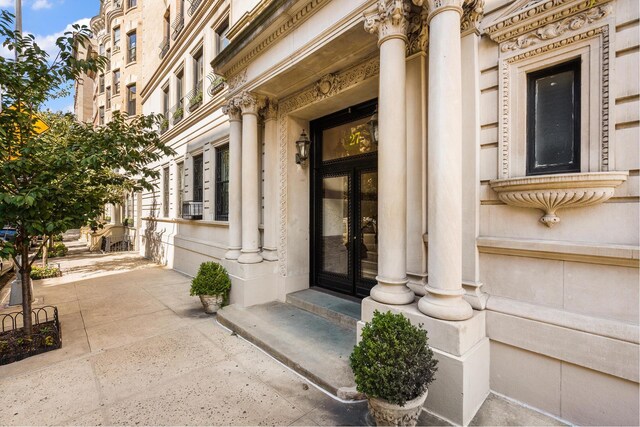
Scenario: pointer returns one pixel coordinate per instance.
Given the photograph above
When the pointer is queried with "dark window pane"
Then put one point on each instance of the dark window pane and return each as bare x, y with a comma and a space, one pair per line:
554, 140
222, 184
198, 181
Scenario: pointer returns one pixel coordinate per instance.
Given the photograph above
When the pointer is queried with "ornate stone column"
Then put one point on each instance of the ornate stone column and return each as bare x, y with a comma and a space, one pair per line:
250, 105
390, 22
235, 179
444, 290
269, 247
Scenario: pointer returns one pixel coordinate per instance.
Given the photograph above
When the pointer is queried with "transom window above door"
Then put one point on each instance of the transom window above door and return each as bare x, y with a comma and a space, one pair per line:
347, 140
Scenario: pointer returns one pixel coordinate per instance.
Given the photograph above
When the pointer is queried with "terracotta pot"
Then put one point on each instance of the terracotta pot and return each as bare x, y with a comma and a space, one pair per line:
389, 414
211, 303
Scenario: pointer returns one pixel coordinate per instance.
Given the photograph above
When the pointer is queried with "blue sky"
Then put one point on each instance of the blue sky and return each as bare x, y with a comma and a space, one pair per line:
49, 19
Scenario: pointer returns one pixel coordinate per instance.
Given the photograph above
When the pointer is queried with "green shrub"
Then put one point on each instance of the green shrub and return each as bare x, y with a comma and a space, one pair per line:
46, 272
57, 238
212, 279
59, 250
393, 360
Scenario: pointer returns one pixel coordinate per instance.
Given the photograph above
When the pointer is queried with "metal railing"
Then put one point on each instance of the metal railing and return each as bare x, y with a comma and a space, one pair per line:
176, 113
178, 26
194, 6
164, 122
164, 48
218, 83
191, 210
195, 97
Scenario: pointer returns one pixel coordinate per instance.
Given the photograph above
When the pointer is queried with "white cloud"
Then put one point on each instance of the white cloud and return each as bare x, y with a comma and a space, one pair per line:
6, 3
41, 4
48, 42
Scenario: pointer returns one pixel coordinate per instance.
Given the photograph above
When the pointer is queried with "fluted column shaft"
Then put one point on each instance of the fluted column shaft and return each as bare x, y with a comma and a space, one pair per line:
269, 247
390, 23
444, 290
250, 253
235, 181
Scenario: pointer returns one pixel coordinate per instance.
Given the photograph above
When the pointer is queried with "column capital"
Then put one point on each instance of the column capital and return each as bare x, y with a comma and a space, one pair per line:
389, 19
472, 13
418, 29
250, 103
270, 111
232, 110
438, 6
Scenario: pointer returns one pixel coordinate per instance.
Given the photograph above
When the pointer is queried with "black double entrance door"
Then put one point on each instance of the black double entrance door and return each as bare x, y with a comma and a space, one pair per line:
344, 248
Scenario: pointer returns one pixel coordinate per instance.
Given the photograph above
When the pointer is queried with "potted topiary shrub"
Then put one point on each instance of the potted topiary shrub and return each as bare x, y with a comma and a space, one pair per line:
393, 365
212, 285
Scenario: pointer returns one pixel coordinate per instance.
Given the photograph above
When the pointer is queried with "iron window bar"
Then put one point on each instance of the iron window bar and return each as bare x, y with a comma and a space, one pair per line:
191, 210
164, 48
194, 6
218, 83
178, 26
195, 97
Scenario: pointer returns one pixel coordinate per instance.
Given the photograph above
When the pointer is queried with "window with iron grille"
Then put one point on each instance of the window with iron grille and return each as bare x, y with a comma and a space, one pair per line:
131, 47
553, 119
198, 178
222, 183
165, 192
131, 100
180, 187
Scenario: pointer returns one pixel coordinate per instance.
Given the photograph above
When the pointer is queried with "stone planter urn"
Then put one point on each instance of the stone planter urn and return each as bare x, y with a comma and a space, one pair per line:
211, 303
389, 414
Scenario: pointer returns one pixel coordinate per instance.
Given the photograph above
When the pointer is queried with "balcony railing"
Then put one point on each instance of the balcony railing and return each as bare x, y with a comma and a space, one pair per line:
195, 97
164, 48
178, 26
164, 122
194, 6
176, 113
191, 210
218, 84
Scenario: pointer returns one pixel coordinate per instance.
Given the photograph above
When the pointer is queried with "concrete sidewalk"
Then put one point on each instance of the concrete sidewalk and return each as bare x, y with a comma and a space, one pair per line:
137, 349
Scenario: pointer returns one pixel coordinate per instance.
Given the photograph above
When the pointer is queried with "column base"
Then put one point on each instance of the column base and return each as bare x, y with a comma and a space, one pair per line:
269, 254
417, 283
445, 304
252, 257
233, 253
474, 296
391, 291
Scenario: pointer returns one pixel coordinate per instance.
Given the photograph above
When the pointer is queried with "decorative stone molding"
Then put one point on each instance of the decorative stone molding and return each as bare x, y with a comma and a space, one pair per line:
232, 110
237, 80
389, 20
506, 78
472, 13
250, 103
556, 29
342, 81
418, 30
327, 84
550, 193
528, 15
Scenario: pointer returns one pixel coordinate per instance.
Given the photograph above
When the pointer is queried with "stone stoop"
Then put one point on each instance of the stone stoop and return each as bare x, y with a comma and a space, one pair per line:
313, 333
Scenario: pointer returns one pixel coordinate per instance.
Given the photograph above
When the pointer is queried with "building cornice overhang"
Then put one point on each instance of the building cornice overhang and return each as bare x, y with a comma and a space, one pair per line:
526, 16
193, 29
266, 28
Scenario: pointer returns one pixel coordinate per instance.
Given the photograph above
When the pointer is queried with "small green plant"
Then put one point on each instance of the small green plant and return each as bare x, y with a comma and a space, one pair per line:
59, 250
49, 341
46, 272
177, 115
212, 279
57, 238
393, 360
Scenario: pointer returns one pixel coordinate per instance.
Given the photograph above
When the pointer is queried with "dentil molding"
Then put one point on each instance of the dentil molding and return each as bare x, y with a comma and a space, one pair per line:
549, 193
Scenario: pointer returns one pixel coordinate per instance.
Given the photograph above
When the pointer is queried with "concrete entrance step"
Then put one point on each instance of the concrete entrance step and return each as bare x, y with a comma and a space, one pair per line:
311, 345
338, 309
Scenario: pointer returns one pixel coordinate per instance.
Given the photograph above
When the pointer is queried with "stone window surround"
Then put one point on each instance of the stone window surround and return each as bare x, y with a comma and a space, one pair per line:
594, 140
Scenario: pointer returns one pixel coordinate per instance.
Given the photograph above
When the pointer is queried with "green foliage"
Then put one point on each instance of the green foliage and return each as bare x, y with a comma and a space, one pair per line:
57, 238
212, 279
393, 360
46, 272
59, 250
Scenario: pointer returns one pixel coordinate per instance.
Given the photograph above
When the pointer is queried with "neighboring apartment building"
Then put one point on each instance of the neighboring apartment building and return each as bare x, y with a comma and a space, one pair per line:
473, 165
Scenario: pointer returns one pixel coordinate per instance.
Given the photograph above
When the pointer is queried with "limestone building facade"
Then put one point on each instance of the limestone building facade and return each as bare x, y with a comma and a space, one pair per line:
472, 164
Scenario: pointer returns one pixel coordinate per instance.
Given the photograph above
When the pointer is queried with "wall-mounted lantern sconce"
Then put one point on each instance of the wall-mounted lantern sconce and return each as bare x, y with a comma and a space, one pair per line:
302, 146
373, 126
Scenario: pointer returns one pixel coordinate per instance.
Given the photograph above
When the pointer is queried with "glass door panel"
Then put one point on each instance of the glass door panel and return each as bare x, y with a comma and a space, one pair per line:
368, 225
335, 235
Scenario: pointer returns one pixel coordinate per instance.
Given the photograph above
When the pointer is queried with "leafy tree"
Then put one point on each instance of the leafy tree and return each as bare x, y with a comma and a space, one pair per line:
62, 178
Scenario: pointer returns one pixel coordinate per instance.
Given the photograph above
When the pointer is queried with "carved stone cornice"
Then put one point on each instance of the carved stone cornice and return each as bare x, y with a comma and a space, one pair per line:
270, 111
528, 16
250, 103
472, 13
556, 29
552, 192
389, 20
